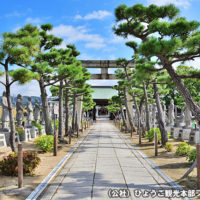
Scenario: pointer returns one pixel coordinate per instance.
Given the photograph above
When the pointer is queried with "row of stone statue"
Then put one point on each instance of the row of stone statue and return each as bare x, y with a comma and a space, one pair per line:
171, 118
32, 113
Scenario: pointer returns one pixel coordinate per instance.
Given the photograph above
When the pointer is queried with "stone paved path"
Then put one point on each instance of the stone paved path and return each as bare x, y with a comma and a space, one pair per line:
104, 161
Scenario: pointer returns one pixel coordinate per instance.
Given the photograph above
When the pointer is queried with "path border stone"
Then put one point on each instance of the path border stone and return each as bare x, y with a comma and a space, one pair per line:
47, 180
169, 180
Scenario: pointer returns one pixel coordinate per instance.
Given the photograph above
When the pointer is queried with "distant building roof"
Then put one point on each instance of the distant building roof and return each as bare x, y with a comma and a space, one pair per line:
103, 92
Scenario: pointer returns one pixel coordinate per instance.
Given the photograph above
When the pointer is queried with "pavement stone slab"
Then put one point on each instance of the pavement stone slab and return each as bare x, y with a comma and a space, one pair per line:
105, 160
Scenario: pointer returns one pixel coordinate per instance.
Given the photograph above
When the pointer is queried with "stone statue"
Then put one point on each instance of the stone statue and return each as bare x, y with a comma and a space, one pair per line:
30, 112
171, 115
5, 113
19, 110
150, 113
143, 114
154, 110
187, 117
37, 111
42, 118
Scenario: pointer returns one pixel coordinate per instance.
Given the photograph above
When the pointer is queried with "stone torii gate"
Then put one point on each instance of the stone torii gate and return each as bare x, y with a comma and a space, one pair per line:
104, 65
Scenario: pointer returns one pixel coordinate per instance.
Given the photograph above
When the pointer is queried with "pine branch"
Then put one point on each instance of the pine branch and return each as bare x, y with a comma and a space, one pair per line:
190, 76
2, 63
12, 82
3, 83
52, 83
184, 57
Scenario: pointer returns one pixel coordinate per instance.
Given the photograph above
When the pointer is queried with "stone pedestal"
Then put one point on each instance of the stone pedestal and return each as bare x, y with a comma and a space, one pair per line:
193, 138
5, 126
179, 121
186, 133
27, 135
34, 131
7, 137
42, 132
2, 141
177, 132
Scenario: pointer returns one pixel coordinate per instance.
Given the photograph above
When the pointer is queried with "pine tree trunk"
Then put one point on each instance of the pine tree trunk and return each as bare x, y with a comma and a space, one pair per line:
45, 108
74, 112
194, 108
123, 117
128, 113
67, 112
139, 119
12, 122
60, 131
11, 117
140, 110
147, 107
82, 120
161, 123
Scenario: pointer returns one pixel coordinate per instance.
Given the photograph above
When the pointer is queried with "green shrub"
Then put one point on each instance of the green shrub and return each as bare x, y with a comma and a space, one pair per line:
168, 146
37, 125
9, 164
150, 134
45, 142
56, 124
191, 156
183, 149
20, 131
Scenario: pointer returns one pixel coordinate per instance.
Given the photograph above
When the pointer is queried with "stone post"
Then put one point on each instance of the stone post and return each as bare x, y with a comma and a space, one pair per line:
79, 110
130, 107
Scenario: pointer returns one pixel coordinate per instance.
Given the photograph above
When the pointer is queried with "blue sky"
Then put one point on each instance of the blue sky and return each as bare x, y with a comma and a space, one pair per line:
87, 24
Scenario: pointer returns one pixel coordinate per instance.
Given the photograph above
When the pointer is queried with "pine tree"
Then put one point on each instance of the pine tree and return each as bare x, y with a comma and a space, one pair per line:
173, 41
43, 62
17, 49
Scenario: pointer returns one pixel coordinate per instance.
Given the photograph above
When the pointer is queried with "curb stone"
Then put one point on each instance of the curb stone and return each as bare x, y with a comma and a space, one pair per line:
42, 186
169, 180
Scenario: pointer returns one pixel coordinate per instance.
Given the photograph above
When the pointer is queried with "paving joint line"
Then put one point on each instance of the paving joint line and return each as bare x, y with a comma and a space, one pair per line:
59, 184
120, 166
95, 167
36, 193
162, 174
144, 165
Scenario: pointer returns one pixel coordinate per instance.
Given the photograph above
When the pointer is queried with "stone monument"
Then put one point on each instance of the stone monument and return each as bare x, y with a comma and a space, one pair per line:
171, 115
164, 111
187, 117
154, 110
150, 114
37, 111
30, 112
5, 113
19, 110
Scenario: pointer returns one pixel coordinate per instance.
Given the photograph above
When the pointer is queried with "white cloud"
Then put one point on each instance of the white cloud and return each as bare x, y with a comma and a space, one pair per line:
18, 14
30, 20
183, 3
195, 63
120, 40
76, 34
95, 45
100, 14
14, 14
85, 56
